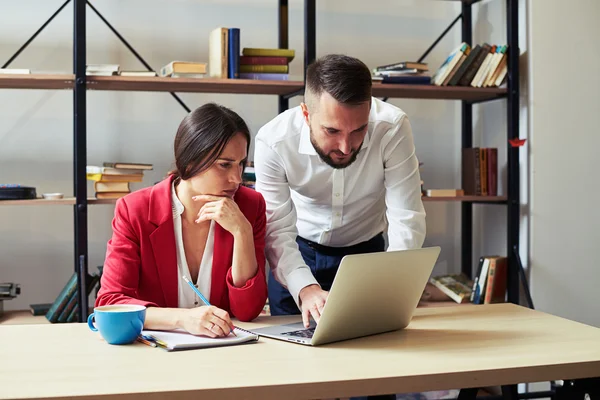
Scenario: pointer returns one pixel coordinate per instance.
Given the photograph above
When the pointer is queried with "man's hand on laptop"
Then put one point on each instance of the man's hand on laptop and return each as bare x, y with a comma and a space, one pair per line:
312, 301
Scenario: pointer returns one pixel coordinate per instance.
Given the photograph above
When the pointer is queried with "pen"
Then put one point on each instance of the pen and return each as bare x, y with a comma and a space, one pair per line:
142, 340
204, 299
154, 340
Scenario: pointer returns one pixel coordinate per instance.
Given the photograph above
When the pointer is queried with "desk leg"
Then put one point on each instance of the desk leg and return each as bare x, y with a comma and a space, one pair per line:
468, 394
510, 392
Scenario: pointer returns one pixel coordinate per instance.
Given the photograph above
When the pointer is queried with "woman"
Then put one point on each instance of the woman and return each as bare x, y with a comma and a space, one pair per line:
199, 223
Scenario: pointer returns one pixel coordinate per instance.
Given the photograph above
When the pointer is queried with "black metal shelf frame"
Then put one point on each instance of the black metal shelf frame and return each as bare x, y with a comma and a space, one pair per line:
80, 134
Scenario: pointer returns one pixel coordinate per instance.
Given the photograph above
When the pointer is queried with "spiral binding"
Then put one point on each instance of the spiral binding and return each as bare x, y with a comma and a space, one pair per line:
246, 331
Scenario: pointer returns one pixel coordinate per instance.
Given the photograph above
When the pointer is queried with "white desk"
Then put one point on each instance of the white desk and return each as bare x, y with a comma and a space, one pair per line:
443, 348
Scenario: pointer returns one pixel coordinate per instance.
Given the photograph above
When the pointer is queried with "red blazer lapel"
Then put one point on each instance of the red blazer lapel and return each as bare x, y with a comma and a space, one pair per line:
222, 259
163, 240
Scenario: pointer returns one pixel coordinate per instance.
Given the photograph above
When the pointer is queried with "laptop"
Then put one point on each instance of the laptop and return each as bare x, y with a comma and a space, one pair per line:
372, 293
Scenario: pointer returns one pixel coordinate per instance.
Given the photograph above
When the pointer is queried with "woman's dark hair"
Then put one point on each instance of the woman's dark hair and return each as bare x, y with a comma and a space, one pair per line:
202, 136
347, 79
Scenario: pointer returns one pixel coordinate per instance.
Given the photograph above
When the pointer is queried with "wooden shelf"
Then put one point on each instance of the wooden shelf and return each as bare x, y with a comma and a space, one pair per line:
238, 86
22, 318
437, 92
44, 202
37, 81
152, 84
472, 199
201, 85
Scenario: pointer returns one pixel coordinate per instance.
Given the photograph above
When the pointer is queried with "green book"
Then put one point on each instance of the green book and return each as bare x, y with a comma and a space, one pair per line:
62, 299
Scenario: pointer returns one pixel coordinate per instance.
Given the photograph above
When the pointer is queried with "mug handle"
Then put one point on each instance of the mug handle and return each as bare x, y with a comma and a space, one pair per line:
91, 324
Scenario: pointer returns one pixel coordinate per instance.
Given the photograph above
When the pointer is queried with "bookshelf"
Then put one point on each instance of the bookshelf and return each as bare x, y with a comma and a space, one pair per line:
79, 84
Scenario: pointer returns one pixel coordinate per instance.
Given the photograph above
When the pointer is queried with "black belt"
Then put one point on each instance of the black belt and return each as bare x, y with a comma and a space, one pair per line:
359, 248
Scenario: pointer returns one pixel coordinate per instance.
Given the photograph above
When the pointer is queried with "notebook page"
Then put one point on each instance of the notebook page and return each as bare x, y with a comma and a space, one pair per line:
180, 339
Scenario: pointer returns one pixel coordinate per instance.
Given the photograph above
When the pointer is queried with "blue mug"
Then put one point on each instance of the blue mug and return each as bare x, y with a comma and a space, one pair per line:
119, 323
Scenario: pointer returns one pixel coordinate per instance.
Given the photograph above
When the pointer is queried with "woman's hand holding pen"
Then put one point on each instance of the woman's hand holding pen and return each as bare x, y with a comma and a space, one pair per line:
208, 321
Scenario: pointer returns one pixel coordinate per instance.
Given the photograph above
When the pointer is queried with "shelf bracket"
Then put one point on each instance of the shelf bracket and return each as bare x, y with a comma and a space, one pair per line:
132, 50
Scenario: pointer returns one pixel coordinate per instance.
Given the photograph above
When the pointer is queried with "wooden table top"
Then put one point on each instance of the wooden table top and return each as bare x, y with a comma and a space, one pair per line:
443, 348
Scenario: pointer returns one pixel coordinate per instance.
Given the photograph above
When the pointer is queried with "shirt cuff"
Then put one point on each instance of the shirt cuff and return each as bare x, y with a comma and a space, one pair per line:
298, 280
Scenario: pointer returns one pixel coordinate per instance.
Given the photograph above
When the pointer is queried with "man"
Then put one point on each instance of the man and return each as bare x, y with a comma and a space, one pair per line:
335, 172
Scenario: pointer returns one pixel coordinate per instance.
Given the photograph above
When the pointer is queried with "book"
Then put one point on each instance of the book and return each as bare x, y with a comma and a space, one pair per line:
218, 47
40, 309
456, 286
233, 62
62, 299
403, 65
112, 186
250, 60
408, 79
495, 287
259, 52
181, 340
15, 71
444, 192
138, 73
262, 76
269, 69
183, 67
127, 165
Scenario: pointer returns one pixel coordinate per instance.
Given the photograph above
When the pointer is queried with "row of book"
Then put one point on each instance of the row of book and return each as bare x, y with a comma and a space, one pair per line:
487, 287
225, 60
484, 65
112, 180
480, 171
65, 307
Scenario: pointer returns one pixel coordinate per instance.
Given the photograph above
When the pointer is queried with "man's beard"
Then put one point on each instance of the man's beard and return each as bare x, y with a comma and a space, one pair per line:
327, 158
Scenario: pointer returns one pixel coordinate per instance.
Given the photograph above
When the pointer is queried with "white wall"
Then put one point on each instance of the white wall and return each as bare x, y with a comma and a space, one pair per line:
565, 101
36, 126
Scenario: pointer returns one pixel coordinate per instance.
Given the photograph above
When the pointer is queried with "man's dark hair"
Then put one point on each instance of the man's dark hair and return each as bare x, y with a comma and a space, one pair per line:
346, 79
202, 136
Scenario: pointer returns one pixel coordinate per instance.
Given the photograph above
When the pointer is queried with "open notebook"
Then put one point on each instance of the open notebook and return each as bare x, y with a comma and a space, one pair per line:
181, 340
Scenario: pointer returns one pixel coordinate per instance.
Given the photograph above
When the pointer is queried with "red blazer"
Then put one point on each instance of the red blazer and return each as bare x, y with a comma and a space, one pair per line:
141, 258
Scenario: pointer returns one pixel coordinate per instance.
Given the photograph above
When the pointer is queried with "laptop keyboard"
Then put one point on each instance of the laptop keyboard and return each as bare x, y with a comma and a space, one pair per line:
305, 333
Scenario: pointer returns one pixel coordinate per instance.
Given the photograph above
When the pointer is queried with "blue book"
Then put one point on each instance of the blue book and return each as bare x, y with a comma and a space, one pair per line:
233, 54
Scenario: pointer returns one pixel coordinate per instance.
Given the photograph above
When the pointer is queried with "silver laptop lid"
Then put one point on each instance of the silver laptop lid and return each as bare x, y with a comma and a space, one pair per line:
375, 293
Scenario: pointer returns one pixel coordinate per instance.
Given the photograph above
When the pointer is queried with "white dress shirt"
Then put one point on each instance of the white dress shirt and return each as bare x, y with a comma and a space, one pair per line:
337, 207
187, 298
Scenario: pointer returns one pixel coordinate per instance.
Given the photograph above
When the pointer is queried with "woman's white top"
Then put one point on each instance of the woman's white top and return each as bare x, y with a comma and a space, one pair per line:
187, 298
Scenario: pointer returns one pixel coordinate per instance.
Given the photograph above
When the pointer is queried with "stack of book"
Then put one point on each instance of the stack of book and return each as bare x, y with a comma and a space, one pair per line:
481, 66
66, 305
266, 64
406, 72
112, 180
